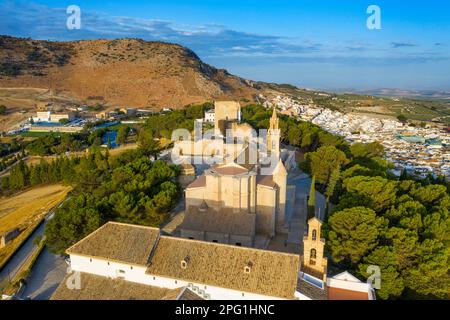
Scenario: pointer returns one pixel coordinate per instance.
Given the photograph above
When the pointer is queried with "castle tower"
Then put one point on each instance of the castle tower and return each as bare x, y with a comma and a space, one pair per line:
225, 112
313, 246
280, 178
273, 135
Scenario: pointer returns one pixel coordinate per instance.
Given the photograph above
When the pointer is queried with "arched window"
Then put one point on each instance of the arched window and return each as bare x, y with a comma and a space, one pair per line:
312, 257
314, 234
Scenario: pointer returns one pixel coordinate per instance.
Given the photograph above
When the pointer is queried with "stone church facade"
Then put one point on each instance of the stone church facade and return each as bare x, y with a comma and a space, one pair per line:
232, 202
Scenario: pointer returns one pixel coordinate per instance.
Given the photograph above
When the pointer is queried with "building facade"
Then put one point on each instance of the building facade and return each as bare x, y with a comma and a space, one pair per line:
122, 261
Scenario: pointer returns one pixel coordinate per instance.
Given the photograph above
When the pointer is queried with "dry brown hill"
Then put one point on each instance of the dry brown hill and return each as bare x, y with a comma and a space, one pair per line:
129, 72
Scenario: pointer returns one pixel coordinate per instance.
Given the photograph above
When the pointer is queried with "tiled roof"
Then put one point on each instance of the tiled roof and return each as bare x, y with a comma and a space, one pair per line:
266, 181
96, 287
219, 221
344, 294
311, 291
271, 273
118, 242
230, 170
198, 183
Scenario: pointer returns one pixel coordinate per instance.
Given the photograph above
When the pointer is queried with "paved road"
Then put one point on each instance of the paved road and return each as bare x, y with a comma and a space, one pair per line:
297, 223
7, 169
25, 252
21, 256
48, 272
302, 184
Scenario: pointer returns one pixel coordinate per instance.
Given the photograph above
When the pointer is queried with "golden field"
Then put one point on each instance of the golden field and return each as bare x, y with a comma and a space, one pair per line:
25, 210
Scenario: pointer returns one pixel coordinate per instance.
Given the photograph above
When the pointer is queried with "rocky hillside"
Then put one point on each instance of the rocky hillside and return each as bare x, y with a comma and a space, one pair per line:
129, 72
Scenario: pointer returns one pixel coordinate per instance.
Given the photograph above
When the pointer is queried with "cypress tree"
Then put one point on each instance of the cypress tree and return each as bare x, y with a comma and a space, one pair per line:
331, 187
404, 175
312, 199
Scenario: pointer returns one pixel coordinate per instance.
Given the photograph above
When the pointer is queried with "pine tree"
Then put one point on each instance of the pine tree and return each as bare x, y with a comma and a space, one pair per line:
312, 199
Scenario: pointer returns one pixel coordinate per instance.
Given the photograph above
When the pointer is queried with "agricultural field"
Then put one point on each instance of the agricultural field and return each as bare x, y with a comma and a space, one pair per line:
416, 109
122, 148
25, 210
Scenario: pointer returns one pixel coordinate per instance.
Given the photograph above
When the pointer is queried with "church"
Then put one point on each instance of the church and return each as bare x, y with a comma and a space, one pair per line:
233, 201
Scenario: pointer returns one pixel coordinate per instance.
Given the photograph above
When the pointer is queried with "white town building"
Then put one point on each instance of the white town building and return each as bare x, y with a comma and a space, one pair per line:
210, 116
49, 116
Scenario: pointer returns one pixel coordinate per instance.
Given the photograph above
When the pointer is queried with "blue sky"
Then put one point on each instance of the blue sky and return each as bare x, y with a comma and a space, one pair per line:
313, 44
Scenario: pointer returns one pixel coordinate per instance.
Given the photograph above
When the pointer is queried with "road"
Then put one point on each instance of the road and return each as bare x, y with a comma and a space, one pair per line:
22, 255
47, 273
8, 169
297, 223
25, 252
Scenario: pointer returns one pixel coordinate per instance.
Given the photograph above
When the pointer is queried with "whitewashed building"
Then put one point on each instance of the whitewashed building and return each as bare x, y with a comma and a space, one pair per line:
210, 116
122, 261
141, 255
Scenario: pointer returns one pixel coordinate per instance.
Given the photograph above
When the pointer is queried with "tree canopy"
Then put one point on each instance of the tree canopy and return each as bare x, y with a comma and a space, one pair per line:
138, 191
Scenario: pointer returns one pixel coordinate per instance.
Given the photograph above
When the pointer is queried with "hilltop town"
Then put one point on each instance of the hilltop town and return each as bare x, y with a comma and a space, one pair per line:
420, 150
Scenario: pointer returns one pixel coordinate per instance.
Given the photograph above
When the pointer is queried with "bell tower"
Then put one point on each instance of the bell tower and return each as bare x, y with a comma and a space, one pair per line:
273, 135
313, 246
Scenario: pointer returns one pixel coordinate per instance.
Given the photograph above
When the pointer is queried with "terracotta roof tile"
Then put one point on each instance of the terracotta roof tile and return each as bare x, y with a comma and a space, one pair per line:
219, 221
266, 181
198, 183
96, 287
118, 242
344, 294
272, 273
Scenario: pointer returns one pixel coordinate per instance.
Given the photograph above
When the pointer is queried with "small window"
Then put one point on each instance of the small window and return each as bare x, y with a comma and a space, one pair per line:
108, 263
90, 260
154, 278
122, 271
176, 281
248, 267
243, 294
314, 235
205, 287
215, 241
131, 267
183, 264
191, 238
238, 244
